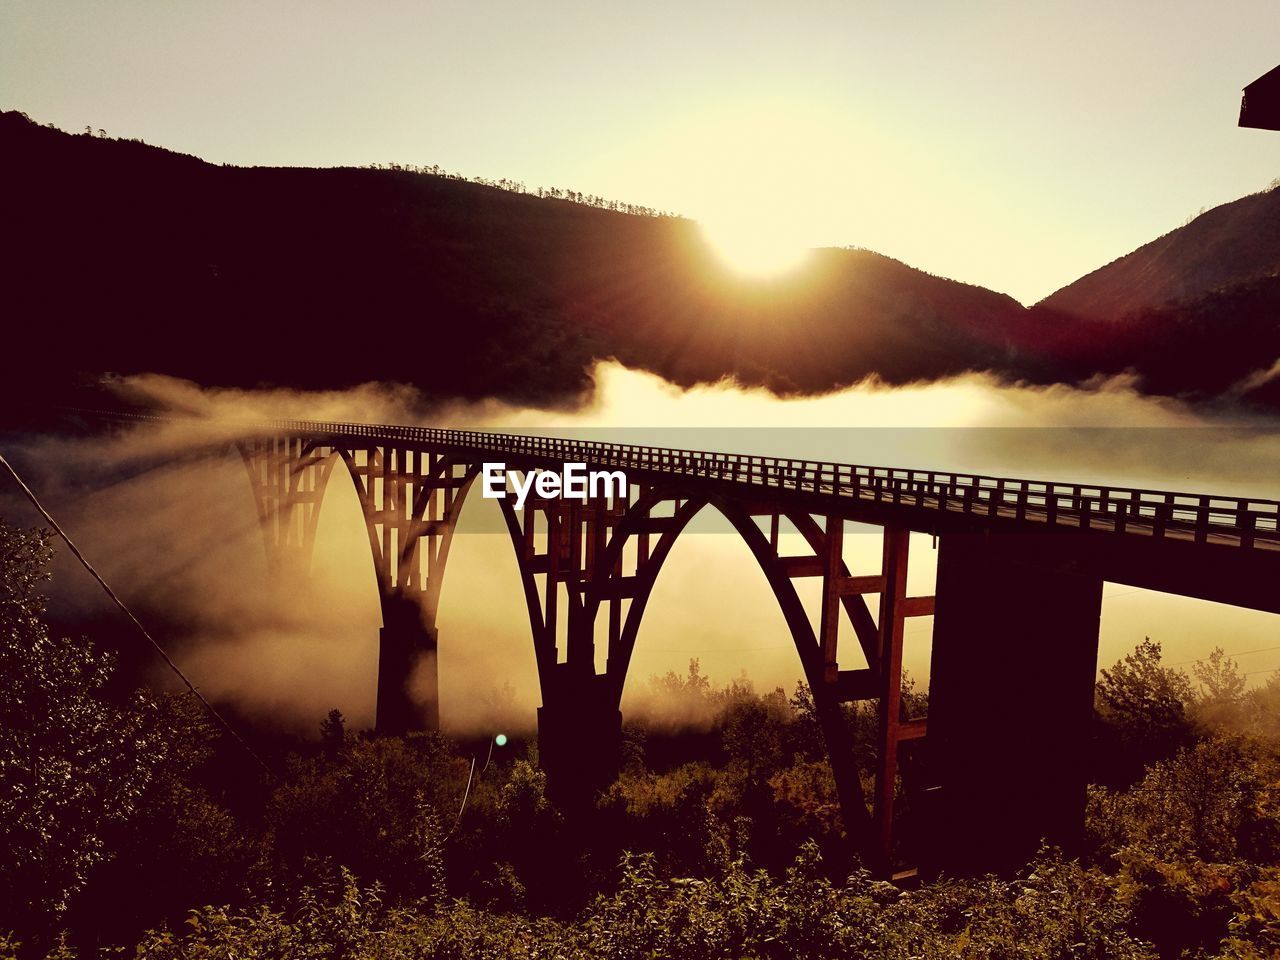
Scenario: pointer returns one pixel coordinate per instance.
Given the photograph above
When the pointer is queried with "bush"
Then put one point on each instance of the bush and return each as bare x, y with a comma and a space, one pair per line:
379, 808
73, 764
1144, 710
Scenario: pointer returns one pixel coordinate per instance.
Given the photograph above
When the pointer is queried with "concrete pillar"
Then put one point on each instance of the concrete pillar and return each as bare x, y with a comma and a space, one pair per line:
579, 738
406, 648
1015, 651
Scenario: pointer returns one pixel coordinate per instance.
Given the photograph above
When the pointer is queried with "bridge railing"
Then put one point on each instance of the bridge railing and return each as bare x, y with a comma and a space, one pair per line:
1120, 509
1248, 522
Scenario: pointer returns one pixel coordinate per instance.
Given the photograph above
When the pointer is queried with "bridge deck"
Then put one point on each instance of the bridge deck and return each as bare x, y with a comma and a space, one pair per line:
1244, 522
1247, 523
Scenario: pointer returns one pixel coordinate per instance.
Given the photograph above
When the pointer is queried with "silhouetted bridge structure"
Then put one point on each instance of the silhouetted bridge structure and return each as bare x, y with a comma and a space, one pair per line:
1017, 602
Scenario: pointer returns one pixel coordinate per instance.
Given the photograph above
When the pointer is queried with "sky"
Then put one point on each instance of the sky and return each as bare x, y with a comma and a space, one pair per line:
1009, 144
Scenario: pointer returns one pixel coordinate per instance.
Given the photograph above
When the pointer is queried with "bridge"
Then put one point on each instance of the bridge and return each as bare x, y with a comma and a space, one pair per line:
1016, 608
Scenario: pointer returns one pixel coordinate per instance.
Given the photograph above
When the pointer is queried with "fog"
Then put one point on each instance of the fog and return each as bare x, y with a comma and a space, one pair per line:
181, 540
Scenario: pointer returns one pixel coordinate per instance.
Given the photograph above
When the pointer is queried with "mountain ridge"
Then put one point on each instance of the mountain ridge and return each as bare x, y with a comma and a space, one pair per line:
129, 258
529, 290
1230, 244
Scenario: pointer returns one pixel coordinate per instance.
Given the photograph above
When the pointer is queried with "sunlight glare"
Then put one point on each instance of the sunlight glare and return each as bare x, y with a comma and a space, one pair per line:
755, 249
768, 179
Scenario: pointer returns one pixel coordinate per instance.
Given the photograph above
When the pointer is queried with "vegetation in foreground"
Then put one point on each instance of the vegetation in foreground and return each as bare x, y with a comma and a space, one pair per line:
128, 828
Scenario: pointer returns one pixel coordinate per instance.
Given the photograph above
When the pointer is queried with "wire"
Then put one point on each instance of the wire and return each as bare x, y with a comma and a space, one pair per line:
465, 796
1242, 653
1124, 593
467, 793
128, 613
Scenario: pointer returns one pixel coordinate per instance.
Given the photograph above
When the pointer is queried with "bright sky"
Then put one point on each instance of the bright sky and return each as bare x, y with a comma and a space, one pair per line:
1005, 143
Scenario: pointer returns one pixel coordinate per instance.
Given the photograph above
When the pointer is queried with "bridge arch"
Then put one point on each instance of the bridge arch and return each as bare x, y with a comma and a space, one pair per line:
410, 502
836, 732
569, 739
412, 499
288, 477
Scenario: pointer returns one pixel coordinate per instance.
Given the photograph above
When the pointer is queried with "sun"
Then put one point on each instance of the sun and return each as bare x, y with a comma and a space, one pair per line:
755, 249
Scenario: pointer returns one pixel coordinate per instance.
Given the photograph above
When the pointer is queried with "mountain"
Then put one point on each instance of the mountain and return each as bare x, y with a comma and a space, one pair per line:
124, 257
1236, 243
119, 257
1194, 313
1221, 344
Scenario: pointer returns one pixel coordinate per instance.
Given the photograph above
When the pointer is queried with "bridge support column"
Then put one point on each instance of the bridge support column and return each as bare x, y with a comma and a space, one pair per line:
579, 739
1015, 651
407, 657
288, 476
411, 500
578, 580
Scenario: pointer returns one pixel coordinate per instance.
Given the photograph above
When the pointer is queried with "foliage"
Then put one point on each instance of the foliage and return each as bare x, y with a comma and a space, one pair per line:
1058, 911
377, 808
1144, 705
1262, 709
1220, 702
183, 844
1254, 929
1186, 841
721, 839
670, 816
73, 764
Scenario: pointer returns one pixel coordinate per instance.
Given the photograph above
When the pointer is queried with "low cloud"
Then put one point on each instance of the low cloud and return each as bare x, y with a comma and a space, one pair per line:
170, 521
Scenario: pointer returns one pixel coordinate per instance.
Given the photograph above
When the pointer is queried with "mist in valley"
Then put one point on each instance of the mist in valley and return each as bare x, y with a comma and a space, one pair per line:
168, 517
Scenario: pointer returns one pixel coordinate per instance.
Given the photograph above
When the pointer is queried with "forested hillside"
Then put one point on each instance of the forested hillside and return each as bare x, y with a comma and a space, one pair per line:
126, 258
1232, 244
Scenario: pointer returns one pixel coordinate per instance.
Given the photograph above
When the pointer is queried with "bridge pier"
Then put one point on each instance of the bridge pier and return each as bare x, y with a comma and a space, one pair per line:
1015, 651
407, 654
579, 722
579, 738
411, 501
288, 476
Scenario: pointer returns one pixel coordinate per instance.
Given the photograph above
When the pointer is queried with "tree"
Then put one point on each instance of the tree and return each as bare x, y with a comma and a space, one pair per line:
333, 733
182, 844
806, 740
1205, 802
72, 763
1145, 706
378, 807
1221, 700
1263, 708
753, 731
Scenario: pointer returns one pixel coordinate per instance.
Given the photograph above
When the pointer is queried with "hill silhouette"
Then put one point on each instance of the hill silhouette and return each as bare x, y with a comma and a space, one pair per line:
1194, 313
1235, 243
126, 258
129, 258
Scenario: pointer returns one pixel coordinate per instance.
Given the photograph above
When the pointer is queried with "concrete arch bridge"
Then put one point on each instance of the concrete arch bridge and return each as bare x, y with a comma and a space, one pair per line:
1008, 716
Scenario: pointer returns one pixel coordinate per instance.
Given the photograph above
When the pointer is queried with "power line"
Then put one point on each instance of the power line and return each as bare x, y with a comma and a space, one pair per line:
75, 551
1242, 653
466, 795
1123, 593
